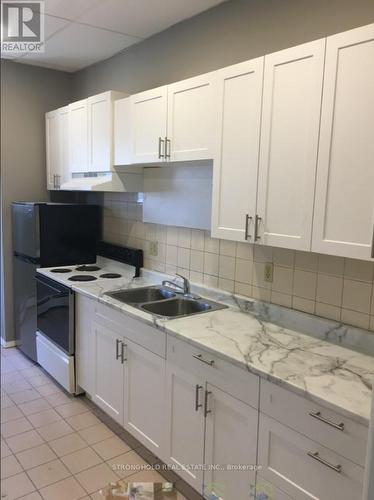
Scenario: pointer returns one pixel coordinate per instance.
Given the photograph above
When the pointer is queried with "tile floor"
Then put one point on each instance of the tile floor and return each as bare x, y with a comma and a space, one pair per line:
57, 447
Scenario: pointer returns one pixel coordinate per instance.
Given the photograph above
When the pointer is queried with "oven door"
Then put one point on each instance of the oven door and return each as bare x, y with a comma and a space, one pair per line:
55, 313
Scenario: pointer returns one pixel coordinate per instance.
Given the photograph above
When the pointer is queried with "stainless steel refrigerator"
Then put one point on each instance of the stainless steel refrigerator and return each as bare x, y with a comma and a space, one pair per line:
46, 235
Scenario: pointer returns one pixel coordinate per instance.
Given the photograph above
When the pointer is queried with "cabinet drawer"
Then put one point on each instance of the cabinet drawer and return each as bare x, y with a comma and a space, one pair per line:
337, 432
151, 338
229, 378
304, 469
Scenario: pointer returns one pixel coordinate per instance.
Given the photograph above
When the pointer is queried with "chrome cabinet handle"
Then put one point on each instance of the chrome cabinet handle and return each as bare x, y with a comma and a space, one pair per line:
54, 181
246, 235
167, 149
372, 245
318, 416
206, 411
200, 358
257, 220
315, 456
58, 181
123, 359
197, 404
160, 147
117, 350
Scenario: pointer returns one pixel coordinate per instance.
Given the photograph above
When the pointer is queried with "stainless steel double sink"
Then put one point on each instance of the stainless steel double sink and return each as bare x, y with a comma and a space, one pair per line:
162, 301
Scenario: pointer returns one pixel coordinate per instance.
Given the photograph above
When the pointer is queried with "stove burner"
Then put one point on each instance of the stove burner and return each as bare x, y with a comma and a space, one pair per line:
82, 277
87, 268
110, 275
61, 270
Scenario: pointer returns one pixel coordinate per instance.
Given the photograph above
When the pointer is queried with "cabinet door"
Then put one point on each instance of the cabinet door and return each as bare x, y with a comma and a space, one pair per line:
184, 424
304, 469
100, 129
78, 137
109, 372
84, 339
289, 142
52, 131
122, 132
144, 396
235, 171
230, 438
148, 115
344, 203
192, 118
64, 173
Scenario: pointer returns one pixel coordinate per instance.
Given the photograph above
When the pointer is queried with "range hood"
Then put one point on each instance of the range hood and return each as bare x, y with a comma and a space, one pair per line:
105, 181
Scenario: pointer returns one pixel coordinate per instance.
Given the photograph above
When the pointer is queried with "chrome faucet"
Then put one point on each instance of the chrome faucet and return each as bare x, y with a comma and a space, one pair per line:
185, 288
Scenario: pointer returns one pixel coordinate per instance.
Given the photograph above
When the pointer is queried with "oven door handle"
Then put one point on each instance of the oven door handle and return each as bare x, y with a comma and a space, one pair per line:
59, 292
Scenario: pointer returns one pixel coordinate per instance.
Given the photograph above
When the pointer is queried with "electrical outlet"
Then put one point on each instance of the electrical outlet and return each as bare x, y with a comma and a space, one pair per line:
268, 272
153, 248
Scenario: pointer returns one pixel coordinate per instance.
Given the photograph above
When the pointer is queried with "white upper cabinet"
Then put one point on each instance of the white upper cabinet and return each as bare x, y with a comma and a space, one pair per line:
236, 167
344, 204
100, 131
57, 147
289, 144
78, 136
122, 132
91, 133
177, 122
192, 119
64, 120
52, 130
147, 131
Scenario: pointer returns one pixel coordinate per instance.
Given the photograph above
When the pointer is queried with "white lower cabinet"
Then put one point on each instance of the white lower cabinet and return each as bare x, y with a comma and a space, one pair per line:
108, 384
304, 469
230, 446
185, 424
144, 396
207, 431
198, 413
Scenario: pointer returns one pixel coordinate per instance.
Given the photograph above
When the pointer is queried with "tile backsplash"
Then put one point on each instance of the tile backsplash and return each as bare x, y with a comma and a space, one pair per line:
332, 287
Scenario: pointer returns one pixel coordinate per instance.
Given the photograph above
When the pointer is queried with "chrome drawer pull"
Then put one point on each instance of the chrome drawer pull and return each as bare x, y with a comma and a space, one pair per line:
123, 359
200, 358
318, 416
246, 235
117, 345
257, 220
161, 143
167, 147
315, 456
197, 404
206, 411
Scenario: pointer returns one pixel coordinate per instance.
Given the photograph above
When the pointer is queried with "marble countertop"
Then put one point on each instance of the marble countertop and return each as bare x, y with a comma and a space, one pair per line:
320, 359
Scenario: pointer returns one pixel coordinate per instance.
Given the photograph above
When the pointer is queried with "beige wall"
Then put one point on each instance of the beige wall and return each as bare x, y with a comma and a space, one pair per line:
232, 32
27, 92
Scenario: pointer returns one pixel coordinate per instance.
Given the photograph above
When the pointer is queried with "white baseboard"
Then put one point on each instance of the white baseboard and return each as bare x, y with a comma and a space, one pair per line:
8, 343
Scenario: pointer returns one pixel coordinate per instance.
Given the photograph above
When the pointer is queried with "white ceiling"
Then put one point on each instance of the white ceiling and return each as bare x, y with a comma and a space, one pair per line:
79, 33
